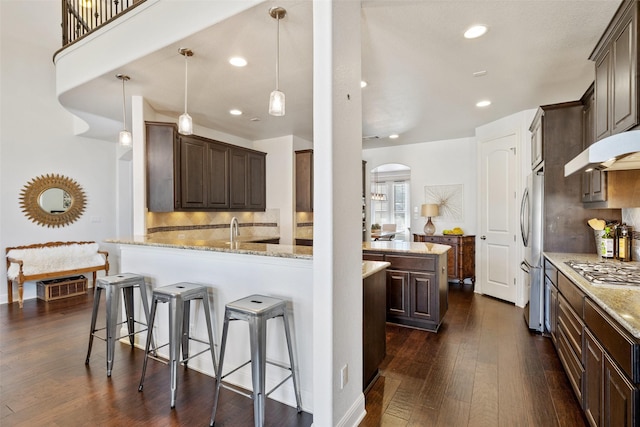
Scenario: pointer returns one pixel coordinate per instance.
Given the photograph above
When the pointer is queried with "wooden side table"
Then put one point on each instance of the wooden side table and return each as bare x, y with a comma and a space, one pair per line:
461, 259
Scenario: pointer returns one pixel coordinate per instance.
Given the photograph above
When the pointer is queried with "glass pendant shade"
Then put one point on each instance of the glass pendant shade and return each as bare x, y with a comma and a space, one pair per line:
125, 138
185, 124
276, 103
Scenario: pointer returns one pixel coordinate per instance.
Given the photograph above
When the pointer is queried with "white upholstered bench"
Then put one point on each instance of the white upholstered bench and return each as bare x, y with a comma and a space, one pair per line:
53, 259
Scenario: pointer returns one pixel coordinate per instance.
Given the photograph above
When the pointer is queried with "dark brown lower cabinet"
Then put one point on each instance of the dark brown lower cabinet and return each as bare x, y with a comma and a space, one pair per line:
620, 397
416, 288
374, 343
600, 357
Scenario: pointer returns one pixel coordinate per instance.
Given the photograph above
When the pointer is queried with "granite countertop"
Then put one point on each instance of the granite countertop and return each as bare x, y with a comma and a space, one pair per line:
620, 302
407, 247
244, 245
372, 267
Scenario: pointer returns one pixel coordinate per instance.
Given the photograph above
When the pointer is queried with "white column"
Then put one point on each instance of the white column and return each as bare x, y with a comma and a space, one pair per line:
337, 213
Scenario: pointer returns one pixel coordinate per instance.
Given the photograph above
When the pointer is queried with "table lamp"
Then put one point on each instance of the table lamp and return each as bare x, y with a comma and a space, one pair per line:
429, 210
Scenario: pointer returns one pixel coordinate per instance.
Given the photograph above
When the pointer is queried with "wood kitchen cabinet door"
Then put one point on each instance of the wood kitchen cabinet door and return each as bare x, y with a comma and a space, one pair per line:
218, 176
256, 199
304, 181
616, 63
620, 397
193, 172
593, 360
423, 290
397, 294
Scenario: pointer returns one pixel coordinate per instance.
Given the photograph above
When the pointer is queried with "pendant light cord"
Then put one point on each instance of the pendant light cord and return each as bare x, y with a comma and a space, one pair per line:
278, 55
124, 110
186, 74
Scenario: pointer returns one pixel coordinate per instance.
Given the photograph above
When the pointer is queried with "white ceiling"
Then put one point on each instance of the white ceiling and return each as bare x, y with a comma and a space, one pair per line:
418, 67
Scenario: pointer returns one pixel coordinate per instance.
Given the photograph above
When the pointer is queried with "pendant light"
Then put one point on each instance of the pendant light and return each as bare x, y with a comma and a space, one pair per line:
185, 124
276, 100
124, 138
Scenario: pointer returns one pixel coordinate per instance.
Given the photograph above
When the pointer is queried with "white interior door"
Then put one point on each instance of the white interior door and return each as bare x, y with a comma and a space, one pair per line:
498, 217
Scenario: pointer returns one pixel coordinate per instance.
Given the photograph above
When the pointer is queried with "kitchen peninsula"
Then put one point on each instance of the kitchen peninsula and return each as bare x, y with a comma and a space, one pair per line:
234, 271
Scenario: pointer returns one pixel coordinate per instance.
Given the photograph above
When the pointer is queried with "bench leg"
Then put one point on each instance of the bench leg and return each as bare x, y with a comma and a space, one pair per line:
20, 293
9, 291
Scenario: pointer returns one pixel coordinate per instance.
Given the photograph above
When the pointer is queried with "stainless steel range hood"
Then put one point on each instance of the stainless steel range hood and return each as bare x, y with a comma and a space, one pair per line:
616, 152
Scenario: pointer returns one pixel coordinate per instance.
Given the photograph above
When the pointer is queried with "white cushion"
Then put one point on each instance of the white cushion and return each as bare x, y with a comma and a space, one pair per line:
54, 258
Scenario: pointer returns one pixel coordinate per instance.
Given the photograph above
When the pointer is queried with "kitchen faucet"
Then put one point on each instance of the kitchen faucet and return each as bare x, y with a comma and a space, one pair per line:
234, 229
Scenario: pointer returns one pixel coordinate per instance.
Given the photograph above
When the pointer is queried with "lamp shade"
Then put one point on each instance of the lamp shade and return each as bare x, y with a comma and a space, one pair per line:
429, 210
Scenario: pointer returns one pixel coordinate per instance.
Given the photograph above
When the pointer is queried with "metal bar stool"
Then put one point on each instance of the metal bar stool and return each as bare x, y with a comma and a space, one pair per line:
111, 285
179, 297
256, 310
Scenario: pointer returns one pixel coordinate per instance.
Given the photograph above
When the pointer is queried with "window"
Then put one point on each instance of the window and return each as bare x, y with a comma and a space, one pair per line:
394, 206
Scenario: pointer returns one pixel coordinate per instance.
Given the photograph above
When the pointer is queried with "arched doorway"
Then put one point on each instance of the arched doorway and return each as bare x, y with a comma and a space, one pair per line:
390, 201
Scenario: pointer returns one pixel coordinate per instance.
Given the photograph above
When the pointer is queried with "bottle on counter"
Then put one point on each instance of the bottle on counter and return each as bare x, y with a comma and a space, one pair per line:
624, 243
607, 243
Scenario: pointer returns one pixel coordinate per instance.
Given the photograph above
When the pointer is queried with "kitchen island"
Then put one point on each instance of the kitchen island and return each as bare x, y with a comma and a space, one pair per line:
417, 288
234, 271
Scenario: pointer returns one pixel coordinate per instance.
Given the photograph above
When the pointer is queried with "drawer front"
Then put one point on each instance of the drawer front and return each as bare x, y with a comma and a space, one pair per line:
571, 325
551, 272
572, 294
617, 342
411, 263
572, 365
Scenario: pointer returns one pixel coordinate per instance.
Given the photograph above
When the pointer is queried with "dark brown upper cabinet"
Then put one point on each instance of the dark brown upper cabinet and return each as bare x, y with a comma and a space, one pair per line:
616, 64
193, 173
304, 181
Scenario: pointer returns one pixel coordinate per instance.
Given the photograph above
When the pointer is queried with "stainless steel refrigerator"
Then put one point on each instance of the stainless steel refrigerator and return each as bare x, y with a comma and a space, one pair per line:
531, 210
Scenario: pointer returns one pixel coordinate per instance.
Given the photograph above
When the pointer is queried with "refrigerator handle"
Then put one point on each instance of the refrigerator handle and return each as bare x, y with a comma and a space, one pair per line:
524, 227
525, 266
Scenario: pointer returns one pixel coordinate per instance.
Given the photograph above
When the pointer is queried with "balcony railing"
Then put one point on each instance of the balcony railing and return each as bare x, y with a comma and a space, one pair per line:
81, 17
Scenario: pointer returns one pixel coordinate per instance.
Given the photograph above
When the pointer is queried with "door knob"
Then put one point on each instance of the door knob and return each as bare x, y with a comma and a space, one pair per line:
483, 238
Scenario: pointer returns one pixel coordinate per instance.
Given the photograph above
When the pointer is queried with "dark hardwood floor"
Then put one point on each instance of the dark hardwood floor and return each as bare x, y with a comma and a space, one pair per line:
483, 368
45, 382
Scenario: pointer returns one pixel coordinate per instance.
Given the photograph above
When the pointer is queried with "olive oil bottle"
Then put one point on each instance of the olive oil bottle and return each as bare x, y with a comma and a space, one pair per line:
624, 243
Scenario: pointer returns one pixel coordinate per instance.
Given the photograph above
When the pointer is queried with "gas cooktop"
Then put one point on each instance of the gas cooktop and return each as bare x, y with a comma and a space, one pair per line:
608, 272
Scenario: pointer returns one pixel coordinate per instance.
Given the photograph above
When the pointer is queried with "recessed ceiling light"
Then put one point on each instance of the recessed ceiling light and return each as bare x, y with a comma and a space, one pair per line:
484, 103
255, 119
393, 136
235, 112
237, 61
475, 32
363, 84
480, 73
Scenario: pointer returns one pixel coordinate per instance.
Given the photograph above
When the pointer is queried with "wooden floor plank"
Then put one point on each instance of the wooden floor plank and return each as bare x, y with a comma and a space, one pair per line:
486, 369
44, 379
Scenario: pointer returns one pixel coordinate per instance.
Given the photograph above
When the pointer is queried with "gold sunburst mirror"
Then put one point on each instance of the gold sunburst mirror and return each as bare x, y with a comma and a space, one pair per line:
52, 200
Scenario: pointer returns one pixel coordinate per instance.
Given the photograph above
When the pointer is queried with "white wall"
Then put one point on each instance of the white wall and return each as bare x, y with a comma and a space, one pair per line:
37, 135
280, 185
434, 163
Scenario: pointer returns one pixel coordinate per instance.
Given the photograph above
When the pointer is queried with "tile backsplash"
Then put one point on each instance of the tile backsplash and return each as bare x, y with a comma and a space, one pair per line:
631, 216
213, 225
